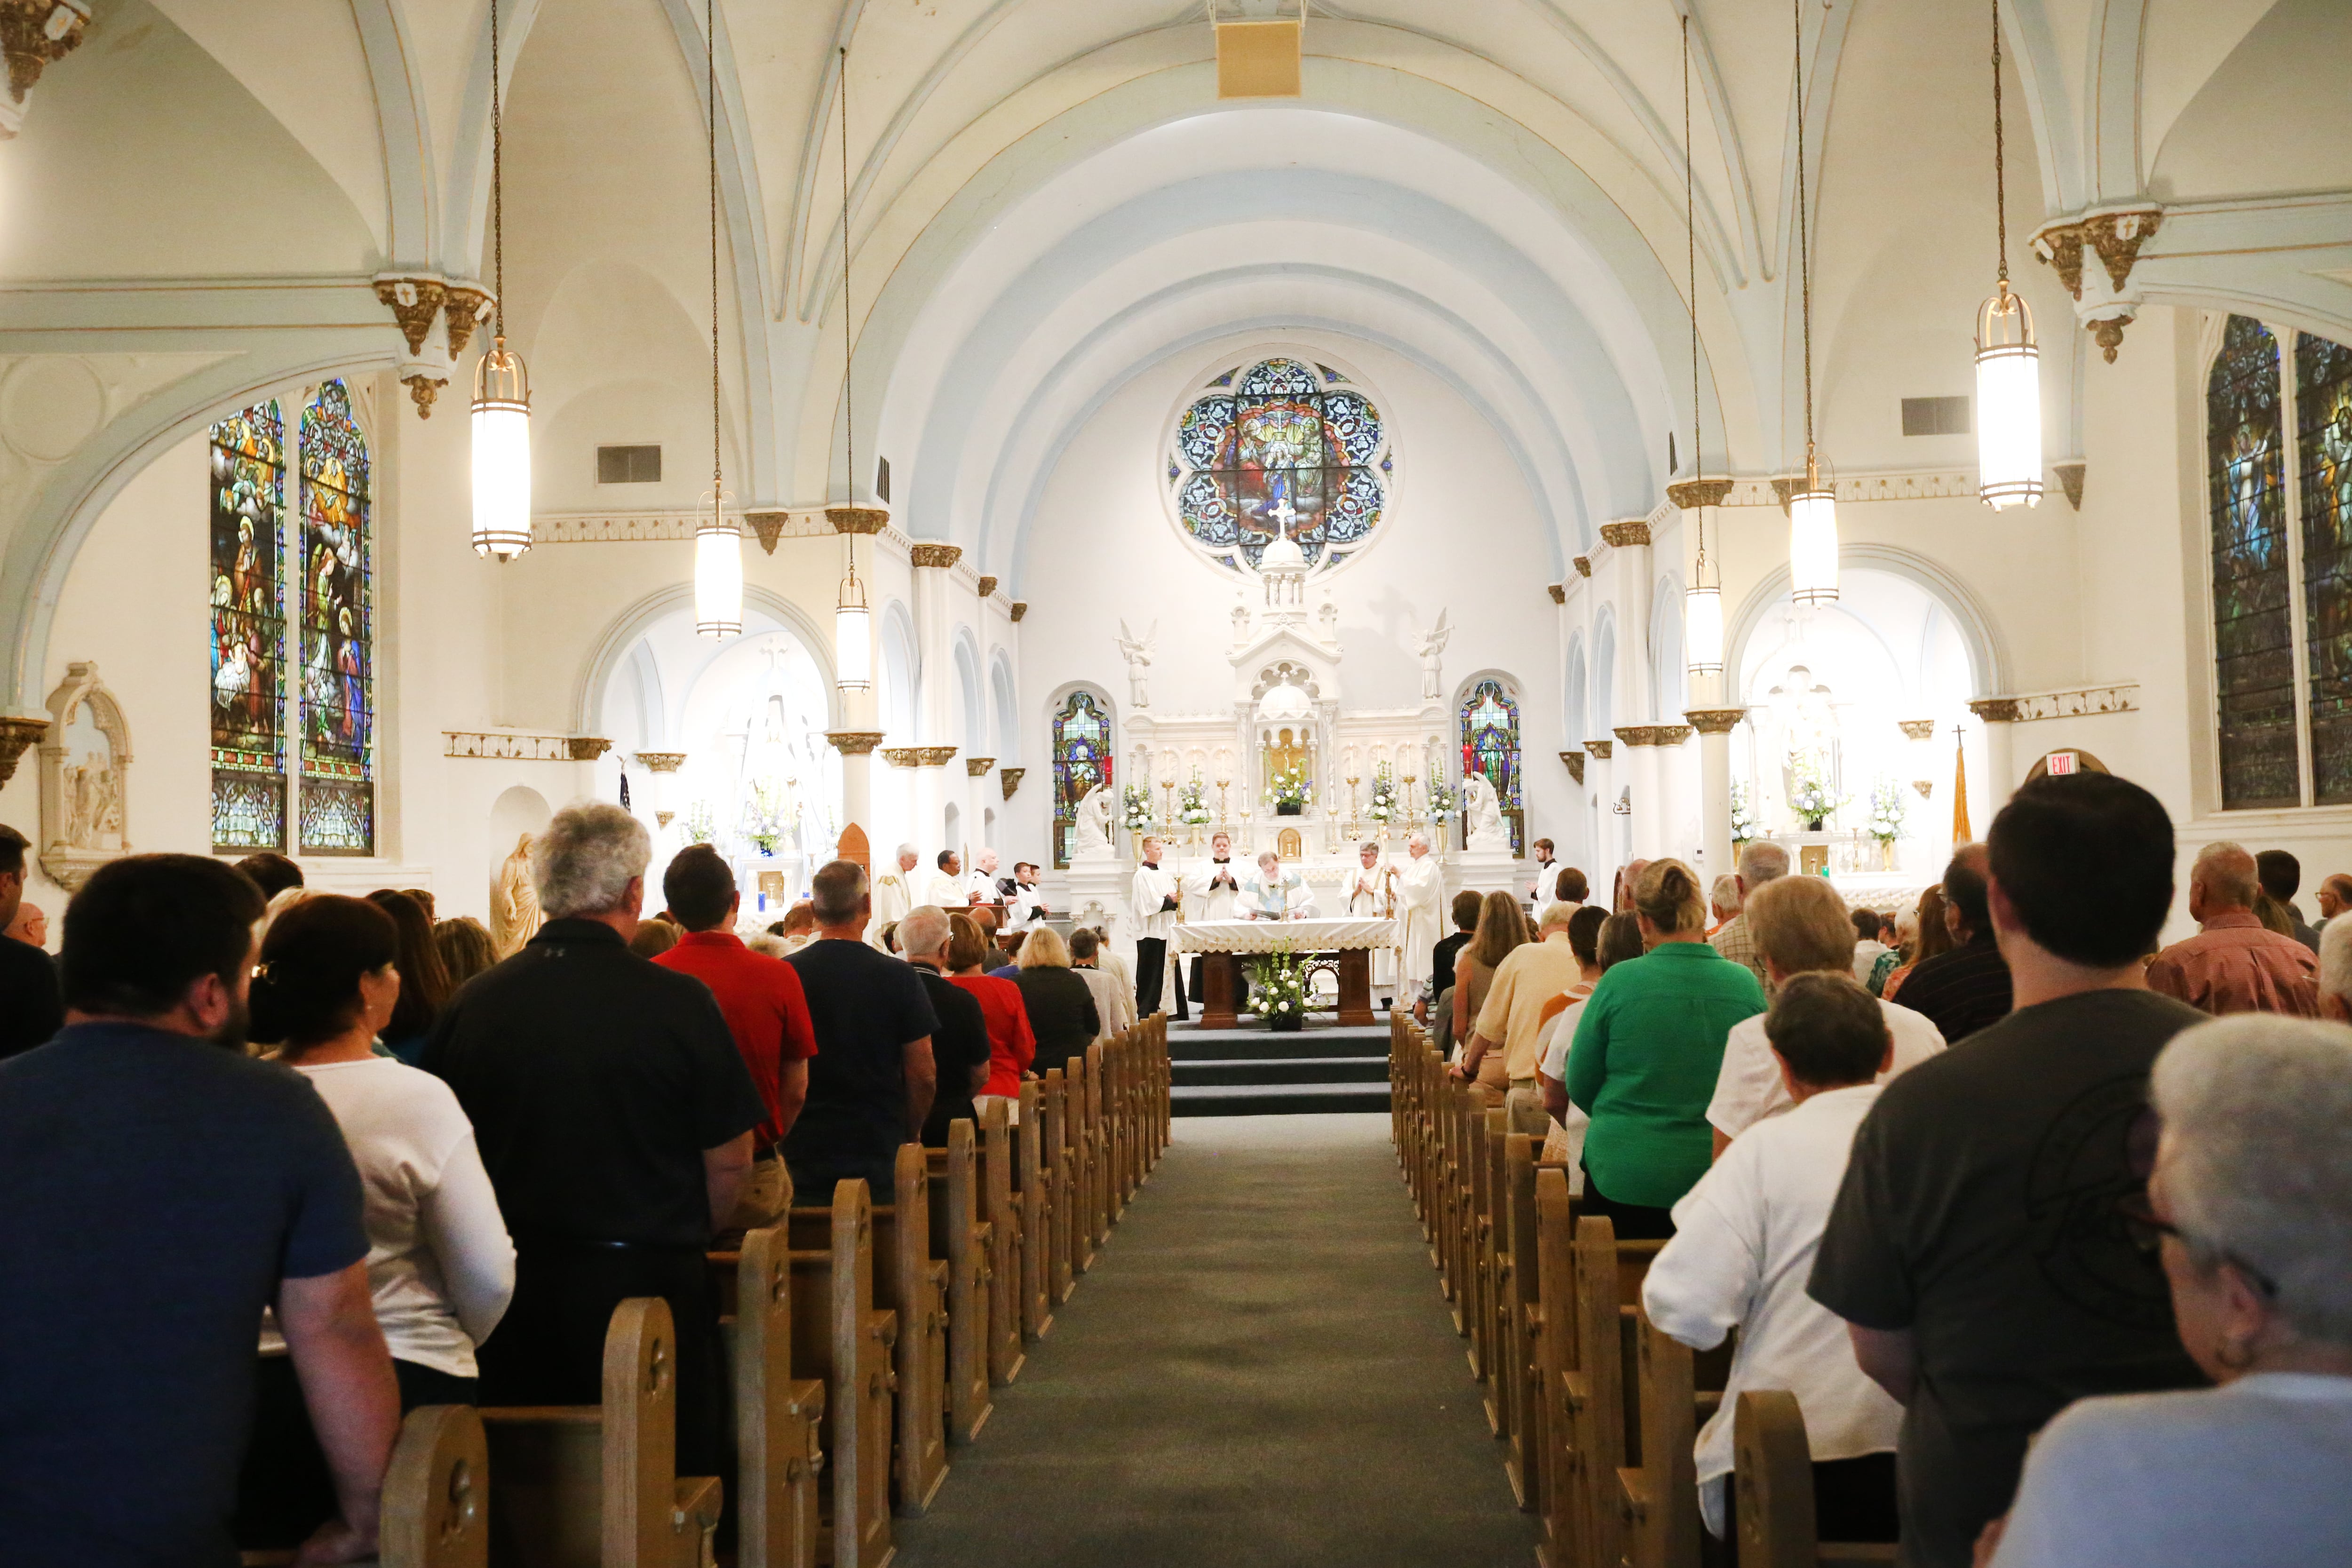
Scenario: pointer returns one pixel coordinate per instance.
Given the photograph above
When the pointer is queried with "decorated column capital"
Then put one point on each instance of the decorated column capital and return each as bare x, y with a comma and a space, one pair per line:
1020, 608
1558, 591
933, 756
1994, 709
1714, 721
854, 743
1584, 566
35, 35
1012, 777
661, 762
17, 734
975, 767
1600, 749
930, 554
587, 748
1626, 534
1692, 494
1575, 761
1916, 729
988, 587
462, 306
767, 526
1670, 735
857, 519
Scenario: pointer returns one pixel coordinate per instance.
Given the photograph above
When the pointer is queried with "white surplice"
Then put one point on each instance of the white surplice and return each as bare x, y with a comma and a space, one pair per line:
1421, 890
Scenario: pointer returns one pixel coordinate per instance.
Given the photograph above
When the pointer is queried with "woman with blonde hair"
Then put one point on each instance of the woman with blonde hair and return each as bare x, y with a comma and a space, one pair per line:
1062, 1013
1501, 929
466, 948
1646, 1053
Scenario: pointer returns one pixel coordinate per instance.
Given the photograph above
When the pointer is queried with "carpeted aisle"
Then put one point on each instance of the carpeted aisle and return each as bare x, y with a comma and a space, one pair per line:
1259, 1370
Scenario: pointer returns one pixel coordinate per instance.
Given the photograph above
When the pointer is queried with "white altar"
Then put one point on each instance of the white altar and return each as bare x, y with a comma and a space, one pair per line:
1223, 942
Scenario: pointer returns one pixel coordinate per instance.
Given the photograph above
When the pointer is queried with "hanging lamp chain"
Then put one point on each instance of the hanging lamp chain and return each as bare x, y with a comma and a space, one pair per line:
1804, 251
497, 195
1690, 238
2000, 156
710, 87
848, 366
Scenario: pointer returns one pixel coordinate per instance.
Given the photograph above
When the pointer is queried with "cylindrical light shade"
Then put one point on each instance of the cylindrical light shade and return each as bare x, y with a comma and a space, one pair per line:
718, 581
501, 455
1813, 546
1703, 628
853, 644
2009, 404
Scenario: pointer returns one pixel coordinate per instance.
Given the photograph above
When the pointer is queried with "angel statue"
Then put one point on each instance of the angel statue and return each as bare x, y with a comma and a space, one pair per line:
1136, 651
1431, 646
1091, 837
1482, 813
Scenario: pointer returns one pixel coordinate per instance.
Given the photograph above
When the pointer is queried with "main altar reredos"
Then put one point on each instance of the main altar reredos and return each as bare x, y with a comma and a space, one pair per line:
1289, 711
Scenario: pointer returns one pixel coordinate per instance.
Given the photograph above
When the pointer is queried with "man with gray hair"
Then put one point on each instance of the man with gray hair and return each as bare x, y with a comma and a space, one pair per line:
1760, 861
2335, 970
614, 1117
2234, 963
894, 895
959, 1050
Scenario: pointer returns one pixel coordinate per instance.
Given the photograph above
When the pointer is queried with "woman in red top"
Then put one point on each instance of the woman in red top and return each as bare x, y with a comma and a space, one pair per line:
1011, 1045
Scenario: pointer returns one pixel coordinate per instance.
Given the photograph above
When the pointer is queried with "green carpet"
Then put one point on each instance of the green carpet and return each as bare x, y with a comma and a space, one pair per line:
1259, 1370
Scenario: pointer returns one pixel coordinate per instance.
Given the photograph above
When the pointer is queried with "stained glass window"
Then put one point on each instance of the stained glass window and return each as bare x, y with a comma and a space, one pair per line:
1280, 447
338, 778
1081, 762
2323, 418
248, 631
2253, 622
1490, 745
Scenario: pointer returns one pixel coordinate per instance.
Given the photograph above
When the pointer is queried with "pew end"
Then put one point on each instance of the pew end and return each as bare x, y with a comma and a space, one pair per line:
1772, 1491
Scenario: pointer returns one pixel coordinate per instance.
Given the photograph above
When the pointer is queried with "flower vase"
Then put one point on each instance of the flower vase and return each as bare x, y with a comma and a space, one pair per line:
1813, 824
1887, 854
1285, 1023
1289, 809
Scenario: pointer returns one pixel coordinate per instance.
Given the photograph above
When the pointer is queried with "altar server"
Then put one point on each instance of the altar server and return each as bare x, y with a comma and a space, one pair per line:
894, 895
1421, 885
1212, 892
982, 886
1024, 900
1275, 893
946, 886
1154, 901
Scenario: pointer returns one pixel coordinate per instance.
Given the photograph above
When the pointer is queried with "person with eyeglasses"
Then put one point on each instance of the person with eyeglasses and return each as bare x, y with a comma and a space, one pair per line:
2249, 1213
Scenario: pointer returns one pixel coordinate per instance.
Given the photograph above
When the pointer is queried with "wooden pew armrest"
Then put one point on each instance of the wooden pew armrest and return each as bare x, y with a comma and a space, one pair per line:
1855, 1553
696, 1504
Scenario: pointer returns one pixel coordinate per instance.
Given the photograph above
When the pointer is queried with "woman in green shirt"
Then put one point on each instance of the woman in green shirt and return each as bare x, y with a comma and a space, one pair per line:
1647, 1053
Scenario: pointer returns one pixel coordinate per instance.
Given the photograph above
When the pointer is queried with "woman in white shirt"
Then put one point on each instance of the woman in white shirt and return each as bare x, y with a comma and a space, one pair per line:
1743, 1249
2250, 1204
1802, 927
440, 1264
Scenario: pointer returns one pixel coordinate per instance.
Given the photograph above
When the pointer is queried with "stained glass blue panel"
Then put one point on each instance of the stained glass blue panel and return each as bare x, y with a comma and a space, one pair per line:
2253, 606
1280, 454
1082, 761
338, 784
247, 630
1490, 745
2323, 404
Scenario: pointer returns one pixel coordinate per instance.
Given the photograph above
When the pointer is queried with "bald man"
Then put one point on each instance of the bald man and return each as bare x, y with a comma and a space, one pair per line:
2234, 963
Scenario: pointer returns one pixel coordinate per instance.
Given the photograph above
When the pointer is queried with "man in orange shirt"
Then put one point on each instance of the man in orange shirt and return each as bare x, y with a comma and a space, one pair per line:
760, 997
2234, 963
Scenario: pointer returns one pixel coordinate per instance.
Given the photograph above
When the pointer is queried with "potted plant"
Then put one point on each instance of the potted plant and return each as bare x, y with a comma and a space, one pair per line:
1278, 990
1809, 796
1887, 819
1440, 801
1191, 806
1743, 819
1292, 792
1136, 808
1383, 808
701, 822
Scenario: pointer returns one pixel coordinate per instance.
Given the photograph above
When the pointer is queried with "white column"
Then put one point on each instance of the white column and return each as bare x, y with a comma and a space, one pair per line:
1629, 563
1601, 781
856, 749
935, 686
1675, 785
1715, 726
1999, 714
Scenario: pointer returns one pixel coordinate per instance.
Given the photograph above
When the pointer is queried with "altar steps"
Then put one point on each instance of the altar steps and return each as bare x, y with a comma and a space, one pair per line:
1252, 1071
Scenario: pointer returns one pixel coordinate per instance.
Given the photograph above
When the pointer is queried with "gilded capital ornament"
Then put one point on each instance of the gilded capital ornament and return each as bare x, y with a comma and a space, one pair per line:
463, 305
1600, 749
1784, 486
16, 736
415, 300
1916, 729
1575, 761
934, 756
1638, 734
1558, 591
36, 35
854, 743
1584, 566
1927, 787
1714, 721
941, 557
2059, 247
661, 762
424, 387
1994, 709
1670, 735
857, 519
2070, 479
901, 756
768, 525
1012, 777
1689, 495
974, 767
587, 748
1020, 608
1627, 534
988, 587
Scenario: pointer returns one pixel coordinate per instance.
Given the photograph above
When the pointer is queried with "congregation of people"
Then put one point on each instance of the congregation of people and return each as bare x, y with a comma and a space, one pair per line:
359, 1161
2046, 1223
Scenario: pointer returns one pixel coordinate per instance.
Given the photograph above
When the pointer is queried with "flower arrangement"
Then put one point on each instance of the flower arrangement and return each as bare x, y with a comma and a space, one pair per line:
1383, 808
1137, 801
763, 817
1808, 793
701, 824
1440, 801
1191, 803
1886, 810
1743, 815
1293, 788
1278, 987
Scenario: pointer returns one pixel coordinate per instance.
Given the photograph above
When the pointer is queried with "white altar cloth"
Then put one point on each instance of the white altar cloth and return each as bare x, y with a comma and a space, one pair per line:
1301, 936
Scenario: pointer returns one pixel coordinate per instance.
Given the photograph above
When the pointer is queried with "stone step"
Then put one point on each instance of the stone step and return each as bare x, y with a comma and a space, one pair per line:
1291, 1071
1276, 1099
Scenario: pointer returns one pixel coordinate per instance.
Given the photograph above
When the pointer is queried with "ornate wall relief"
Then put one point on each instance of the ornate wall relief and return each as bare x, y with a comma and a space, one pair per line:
85, 771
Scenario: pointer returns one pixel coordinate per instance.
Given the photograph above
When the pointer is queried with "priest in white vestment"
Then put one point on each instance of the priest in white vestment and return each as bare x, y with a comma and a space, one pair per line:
1421, 890
1275, 893
946, 886
980, 884
894, 895
1155, 900
1368, 888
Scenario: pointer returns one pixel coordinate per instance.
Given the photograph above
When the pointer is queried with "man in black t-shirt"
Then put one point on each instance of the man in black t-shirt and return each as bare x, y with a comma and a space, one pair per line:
30, 1009
614, 1117
1977, 1250
159, 1188
1447, 949
959, 1045
1965, 988
872, 1080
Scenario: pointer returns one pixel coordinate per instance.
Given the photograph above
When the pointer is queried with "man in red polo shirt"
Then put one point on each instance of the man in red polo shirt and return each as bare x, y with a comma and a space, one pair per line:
760, 997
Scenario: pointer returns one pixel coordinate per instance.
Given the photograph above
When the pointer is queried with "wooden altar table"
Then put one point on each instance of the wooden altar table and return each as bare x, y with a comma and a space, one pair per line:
1222, 944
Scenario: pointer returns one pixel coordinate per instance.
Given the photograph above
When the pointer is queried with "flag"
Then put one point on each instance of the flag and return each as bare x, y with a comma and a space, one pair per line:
1960, 833
624, 789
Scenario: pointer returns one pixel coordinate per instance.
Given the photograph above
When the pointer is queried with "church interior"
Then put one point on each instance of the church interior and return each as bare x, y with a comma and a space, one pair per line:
1430, 444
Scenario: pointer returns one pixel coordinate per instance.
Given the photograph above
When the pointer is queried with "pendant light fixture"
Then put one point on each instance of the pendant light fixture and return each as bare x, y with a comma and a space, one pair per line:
717, 538
1703, 600
1812, 510
2009, 365
853, 624
501, 385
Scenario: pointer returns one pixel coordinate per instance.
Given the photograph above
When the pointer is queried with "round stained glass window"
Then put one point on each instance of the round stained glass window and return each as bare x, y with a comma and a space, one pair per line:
1281, 445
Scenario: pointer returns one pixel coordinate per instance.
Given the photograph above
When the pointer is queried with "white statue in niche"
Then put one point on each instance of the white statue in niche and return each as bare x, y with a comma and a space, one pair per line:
1482, 814
85, 768
1431, 646
1091, 837
1136, 651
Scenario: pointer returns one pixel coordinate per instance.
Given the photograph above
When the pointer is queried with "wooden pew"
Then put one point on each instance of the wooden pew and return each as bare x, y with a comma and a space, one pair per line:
962, 1236
1098, 1157
1032, 1168
435, 1503
1772, 1491
1555, 1360
575, 1485
777, 1416
1062, 1184
843, 1339
1004, 1353
1523, 1323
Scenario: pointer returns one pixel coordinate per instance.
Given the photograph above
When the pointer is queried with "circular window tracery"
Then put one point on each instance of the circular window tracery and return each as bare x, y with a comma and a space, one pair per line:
1283, 445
